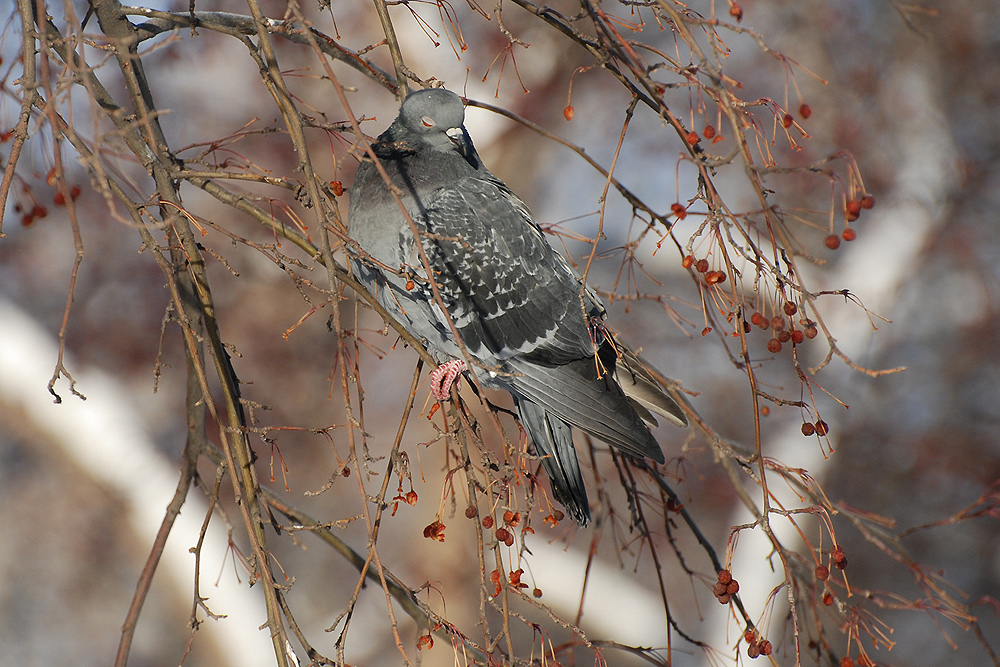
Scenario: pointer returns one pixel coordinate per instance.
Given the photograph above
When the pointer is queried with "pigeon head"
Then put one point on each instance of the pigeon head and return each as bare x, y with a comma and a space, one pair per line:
434, 117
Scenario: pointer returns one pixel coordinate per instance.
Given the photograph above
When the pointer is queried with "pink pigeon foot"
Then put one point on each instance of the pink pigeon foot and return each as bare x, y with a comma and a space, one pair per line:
444, 376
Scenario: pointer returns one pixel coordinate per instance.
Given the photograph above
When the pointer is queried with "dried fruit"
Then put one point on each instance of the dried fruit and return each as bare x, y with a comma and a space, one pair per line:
828, 598
849, 234
708, 132
508, 516
797, 336
733, 587
752, 651
868, 201
687, 262
777, 322
805, 111
701, 265
832, 241
822, 428
568, 112
774, 346
764, 647
487, 521
784, 336
846, 661
736, 11
537, 592
471, 512
678, 210
808, 429
790, 308
724, 576
435, 531
822, 572
692, 137
854, 207
338, 188
787, 120
811, 331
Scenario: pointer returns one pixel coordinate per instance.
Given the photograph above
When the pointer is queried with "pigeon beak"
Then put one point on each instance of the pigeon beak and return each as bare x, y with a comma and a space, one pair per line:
457, 136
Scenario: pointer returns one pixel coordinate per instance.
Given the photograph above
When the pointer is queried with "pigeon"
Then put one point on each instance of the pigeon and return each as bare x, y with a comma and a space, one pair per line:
498, 303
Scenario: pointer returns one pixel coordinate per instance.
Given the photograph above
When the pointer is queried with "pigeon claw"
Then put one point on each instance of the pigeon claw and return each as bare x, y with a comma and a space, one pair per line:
444, 376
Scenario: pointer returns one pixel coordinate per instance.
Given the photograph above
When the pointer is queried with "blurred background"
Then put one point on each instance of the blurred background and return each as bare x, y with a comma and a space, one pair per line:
910, 91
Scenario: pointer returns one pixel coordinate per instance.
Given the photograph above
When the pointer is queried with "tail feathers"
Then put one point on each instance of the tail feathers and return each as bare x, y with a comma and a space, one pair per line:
552, 439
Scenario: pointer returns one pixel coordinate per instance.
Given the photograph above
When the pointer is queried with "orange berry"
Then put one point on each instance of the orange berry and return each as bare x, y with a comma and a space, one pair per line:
692, 137
568, 112
736, 11
708, 132
687, 262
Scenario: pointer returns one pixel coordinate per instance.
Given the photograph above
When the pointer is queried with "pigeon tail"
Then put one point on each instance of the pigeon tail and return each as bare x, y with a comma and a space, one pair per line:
552, 440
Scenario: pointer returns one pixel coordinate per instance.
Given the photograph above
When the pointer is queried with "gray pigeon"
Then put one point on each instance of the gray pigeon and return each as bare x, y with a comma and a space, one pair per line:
527, 323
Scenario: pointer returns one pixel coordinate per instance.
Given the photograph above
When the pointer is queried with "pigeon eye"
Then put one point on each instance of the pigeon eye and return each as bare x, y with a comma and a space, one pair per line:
428, 121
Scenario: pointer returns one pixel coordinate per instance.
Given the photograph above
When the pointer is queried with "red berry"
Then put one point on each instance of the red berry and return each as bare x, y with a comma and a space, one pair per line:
787, 120
777, 322
724, 576
822, 428
733, 587
797, 336
708, 132
537, 592
719, 589
811, 331
701, 265
39, 211
678, 210
854, 207
487, 521
471, 512
822, 572
867, 201
74, 192
832, 241
837, 554
59, 199
774, 346
784, 336
764, 647
846, 661
849, 234
752, 651
790, 308
338, 188
736, 11
805, 111
508, 516
758, 320
808, 429
568, 112
828, 598
692, 137
687, 262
